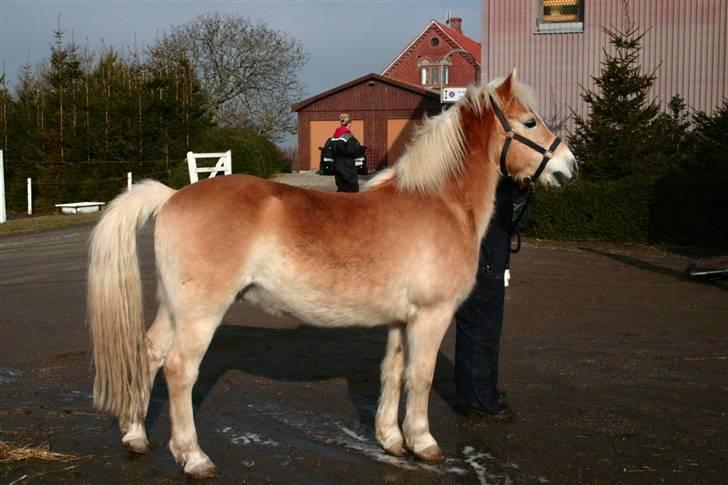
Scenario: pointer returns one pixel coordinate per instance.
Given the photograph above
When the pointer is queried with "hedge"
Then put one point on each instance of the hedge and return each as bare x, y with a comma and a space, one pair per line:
680, 208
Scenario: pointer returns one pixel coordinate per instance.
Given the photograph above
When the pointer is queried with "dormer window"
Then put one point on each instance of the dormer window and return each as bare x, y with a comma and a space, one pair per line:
434, 74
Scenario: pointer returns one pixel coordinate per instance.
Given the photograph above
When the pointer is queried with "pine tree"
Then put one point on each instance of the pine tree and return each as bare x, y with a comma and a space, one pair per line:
624, 133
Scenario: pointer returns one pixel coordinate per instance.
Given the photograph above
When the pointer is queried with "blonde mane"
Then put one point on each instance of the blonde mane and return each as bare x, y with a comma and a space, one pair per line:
437, 149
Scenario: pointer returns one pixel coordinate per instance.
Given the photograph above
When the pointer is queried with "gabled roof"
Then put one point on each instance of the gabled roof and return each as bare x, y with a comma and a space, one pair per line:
461, 40
369, 77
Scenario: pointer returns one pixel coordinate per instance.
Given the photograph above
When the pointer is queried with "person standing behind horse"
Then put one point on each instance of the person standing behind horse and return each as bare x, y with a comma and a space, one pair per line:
479, 320
346, 149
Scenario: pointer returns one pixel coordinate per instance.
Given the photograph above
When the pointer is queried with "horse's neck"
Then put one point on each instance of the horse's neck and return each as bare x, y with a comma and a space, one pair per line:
476, 187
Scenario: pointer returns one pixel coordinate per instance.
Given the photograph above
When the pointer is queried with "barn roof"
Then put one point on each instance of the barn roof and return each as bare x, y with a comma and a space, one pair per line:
461, 40
369, 77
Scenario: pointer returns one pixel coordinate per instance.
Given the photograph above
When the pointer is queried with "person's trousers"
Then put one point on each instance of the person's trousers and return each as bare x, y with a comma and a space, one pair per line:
479, 322
345, 175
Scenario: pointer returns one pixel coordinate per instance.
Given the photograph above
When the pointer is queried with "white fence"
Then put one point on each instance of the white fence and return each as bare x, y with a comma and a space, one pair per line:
224, 164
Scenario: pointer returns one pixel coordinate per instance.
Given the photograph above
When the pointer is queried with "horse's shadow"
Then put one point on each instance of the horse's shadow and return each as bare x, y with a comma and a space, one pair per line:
301, 354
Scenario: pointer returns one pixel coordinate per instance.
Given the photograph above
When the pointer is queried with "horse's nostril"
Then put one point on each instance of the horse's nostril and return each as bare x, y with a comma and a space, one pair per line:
562, 178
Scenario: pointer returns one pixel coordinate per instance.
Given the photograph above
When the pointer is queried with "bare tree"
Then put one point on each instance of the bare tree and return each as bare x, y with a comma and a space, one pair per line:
250, 71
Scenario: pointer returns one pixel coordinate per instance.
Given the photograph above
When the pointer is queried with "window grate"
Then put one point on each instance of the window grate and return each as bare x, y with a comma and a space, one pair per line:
558, 16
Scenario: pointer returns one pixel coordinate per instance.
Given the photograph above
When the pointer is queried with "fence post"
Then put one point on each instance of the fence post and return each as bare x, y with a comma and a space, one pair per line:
128, 180
30, 197
3, 215
192, 167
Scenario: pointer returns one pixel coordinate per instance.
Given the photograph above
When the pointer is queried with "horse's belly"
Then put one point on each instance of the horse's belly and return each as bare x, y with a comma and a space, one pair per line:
321, 308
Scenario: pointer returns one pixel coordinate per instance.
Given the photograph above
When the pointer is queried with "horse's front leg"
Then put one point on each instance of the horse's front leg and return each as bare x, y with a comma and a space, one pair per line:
387, 420
424, 336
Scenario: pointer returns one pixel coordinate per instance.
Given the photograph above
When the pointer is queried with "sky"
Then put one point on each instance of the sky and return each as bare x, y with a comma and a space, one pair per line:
343, 39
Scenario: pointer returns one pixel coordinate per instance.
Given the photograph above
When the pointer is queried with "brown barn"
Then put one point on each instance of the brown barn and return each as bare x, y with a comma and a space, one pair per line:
385, 108
383, 111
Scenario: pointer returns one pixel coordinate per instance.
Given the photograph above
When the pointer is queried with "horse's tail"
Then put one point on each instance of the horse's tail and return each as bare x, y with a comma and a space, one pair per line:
115, 309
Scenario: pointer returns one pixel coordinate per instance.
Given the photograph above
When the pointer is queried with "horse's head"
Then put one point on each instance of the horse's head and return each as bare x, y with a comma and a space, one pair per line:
522, 143
499, 116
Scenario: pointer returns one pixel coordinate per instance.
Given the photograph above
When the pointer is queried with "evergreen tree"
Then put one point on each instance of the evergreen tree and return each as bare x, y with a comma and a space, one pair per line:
62, 76
708, 143
624, 133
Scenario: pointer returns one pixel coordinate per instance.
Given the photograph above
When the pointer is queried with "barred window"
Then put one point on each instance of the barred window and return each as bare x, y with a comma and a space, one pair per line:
431, 75
559, 16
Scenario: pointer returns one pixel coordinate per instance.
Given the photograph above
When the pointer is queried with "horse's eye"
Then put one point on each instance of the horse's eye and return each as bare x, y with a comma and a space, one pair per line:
530, 123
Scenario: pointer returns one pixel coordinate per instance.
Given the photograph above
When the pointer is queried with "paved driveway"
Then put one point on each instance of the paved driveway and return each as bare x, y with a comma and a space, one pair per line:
614, 362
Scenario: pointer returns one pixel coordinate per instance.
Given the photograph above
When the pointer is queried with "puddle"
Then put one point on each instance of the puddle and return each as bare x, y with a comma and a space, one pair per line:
238, 438
478, 461
9, 375
327, 435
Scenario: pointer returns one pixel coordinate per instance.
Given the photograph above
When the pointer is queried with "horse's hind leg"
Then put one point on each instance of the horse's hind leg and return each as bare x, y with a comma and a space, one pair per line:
387, 420
424, 336
158, 340
193, 334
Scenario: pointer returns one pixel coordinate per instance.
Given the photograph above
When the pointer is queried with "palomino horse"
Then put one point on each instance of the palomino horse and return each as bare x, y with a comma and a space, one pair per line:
402, 253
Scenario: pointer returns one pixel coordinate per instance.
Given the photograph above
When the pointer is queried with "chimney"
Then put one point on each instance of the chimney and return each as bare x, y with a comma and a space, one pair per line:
456, 23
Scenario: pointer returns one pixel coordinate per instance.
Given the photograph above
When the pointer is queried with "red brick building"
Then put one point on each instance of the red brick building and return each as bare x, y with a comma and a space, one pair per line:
425, 61
386, 108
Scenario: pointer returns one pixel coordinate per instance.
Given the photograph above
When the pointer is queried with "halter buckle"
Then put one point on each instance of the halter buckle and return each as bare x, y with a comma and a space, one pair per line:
548, 154
510, 134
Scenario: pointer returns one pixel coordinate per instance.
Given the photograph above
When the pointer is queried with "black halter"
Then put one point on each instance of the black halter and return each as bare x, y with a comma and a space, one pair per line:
547, 153
511, 135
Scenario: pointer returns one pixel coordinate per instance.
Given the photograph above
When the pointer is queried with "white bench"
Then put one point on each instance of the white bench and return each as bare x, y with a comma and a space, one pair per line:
80, 207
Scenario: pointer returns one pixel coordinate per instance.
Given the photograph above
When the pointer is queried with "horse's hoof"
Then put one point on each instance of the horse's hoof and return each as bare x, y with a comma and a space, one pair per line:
431, 454
395, 450
204, 469
138, 446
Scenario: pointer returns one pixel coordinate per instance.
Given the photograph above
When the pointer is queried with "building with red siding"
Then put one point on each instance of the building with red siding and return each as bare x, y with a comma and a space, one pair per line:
387, 107
383, 111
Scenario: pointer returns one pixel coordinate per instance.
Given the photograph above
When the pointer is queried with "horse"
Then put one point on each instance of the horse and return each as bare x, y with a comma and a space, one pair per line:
402, 253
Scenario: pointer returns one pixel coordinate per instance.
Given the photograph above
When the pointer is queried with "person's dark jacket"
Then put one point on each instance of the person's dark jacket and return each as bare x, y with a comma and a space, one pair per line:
346, 149
495, 248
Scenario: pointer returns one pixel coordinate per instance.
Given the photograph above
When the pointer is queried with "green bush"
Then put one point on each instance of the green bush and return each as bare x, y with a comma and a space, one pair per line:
687, 208
252, 153
606, 211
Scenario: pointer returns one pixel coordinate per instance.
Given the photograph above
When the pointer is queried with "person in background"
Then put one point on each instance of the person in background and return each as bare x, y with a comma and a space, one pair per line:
346, 149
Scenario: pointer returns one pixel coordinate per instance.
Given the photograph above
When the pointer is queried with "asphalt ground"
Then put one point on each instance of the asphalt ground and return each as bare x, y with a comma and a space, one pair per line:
615, 362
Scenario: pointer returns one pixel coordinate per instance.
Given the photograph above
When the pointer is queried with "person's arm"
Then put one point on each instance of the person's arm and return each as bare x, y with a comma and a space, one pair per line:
353, 147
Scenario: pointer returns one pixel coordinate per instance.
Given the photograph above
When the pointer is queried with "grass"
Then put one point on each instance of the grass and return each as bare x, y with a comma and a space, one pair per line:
45, 223
10, 453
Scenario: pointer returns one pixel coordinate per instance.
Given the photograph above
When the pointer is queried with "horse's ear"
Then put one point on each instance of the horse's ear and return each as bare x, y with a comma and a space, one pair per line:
507, 87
